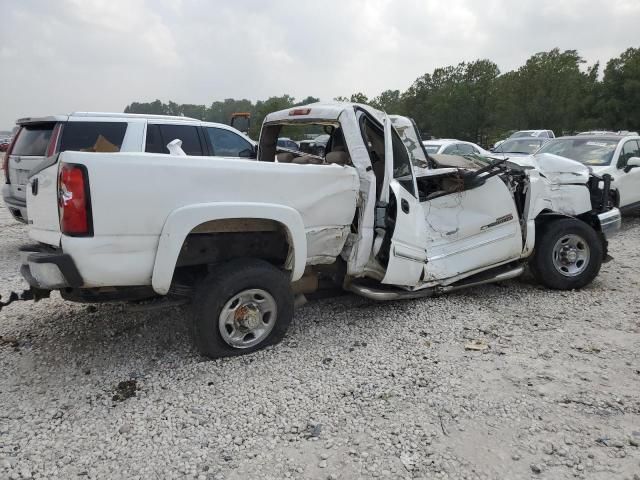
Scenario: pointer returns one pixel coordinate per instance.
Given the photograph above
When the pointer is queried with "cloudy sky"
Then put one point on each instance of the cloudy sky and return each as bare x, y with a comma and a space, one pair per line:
67, 55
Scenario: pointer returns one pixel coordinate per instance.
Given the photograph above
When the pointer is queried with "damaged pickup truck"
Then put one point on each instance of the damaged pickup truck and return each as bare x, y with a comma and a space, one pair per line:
240, 239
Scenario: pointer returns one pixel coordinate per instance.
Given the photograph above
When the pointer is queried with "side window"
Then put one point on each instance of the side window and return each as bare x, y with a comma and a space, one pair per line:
93, 136
464, 149
228, 144
154, 140
402, 164
451, 149
187, 133
629, 149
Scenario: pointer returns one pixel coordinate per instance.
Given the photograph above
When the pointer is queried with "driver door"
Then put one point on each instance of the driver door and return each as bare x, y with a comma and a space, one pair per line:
404, 246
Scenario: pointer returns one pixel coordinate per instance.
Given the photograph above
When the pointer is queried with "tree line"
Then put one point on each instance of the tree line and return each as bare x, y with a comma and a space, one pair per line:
475, 101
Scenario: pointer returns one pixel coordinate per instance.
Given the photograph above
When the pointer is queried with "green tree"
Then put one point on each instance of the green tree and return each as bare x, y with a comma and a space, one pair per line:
389, 101
620, 104
263, 108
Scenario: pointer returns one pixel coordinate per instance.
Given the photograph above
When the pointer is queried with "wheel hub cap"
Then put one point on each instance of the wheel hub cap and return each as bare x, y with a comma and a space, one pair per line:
571, 255
247, 318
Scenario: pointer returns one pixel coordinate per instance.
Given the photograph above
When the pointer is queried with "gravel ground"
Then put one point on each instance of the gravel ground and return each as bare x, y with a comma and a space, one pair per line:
356, 390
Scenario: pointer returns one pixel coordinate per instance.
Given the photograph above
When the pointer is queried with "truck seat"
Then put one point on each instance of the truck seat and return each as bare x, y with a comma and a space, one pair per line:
307, 160
285, 157
337, 157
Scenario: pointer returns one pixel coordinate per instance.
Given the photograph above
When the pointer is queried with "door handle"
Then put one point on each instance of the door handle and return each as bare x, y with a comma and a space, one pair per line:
404, 205
34, 186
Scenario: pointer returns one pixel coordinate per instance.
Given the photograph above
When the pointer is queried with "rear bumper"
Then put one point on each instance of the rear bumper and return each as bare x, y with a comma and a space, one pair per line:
48, 269
610, 222
17, 206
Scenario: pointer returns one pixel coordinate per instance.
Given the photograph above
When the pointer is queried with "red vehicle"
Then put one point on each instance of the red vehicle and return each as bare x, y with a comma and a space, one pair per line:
4, 144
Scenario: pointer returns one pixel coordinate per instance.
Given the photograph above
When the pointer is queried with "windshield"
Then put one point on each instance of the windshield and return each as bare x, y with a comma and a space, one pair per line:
526, 146
409, 136
432, 148
588, 151
522, 134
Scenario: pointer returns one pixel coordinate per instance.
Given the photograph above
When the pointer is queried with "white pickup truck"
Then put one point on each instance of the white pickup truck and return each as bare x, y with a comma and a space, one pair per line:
240, 239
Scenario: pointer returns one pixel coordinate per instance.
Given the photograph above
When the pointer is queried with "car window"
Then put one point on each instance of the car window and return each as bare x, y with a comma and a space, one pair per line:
402, 164
228, 144
465, 149
589, 151
92, 136
33, 140
187, 133
432, 148
629, 149
451, 149
523, 146
154, 142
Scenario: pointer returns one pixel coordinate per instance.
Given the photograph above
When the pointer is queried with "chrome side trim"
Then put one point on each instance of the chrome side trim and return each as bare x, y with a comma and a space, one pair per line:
610, 222
401, 252
471, 247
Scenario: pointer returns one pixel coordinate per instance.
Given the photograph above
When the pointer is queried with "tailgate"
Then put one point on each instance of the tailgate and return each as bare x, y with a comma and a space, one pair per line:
26, 153
42, 205
19, 169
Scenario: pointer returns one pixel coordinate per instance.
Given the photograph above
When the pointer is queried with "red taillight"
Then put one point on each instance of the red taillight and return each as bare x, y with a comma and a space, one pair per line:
5, 162
53, 141
74, 203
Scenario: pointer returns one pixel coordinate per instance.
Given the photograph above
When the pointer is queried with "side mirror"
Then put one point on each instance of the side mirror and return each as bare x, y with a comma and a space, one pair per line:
633, 162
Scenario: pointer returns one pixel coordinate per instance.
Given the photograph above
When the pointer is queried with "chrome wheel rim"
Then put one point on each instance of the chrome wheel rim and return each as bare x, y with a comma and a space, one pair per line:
571, 255
247, 318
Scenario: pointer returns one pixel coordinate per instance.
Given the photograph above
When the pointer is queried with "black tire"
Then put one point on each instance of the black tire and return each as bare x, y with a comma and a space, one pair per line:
220, 286
542, 263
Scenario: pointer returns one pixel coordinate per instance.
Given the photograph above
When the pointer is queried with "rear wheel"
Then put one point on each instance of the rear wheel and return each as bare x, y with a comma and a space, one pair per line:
240, 307
568, 254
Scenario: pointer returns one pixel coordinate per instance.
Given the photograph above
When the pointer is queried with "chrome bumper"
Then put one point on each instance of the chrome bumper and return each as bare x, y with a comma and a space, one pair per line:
610, 222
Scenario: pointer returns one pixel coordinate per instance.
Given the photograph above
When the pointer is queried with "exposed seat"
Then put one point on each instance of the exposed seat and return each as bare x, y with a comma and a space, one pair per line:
307, 160
337, 157
285, 157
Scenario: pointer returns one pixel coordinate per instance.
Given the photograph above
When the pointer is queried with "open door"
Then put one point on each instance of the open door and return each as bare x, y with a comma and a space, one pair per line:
403, 250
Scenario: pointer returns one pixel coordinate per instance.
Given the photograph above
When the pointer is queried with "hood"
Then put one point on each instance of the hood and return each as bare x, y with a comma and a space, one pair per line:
560, 170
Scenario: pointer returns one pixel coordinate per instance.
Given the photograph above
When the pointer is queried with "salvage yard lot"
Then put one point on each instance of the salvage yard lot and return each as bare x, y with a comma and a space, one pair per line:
356, 390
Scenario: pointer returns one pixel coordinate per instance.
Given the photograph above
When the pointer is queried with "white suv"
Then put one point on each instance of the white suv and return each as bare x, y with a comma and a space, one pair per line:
615, 155
38, 138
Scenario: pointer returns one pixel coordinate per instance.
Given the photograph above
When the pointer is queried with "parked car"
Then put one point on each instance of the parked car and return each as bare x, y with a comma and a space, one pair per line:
618, 156
453, 147
240, 239
316, 146
285, 142
527, 134
515, 147
38, 138
608, 132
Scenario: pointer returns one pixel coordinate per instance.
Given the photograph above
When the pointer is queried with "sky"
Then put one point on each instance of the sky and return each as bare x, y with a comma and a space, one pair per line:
100, 55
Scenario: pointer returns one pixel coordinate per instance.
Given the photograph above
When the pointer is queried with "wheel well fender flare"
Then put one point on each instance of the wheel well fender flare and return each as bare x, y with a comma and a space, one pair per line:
183, 220
548, 215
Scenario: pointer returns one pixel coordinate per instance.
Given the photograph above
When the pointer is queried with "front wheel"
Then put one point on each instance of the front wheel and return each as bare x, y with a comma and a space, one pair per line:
568, 254
240, 307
